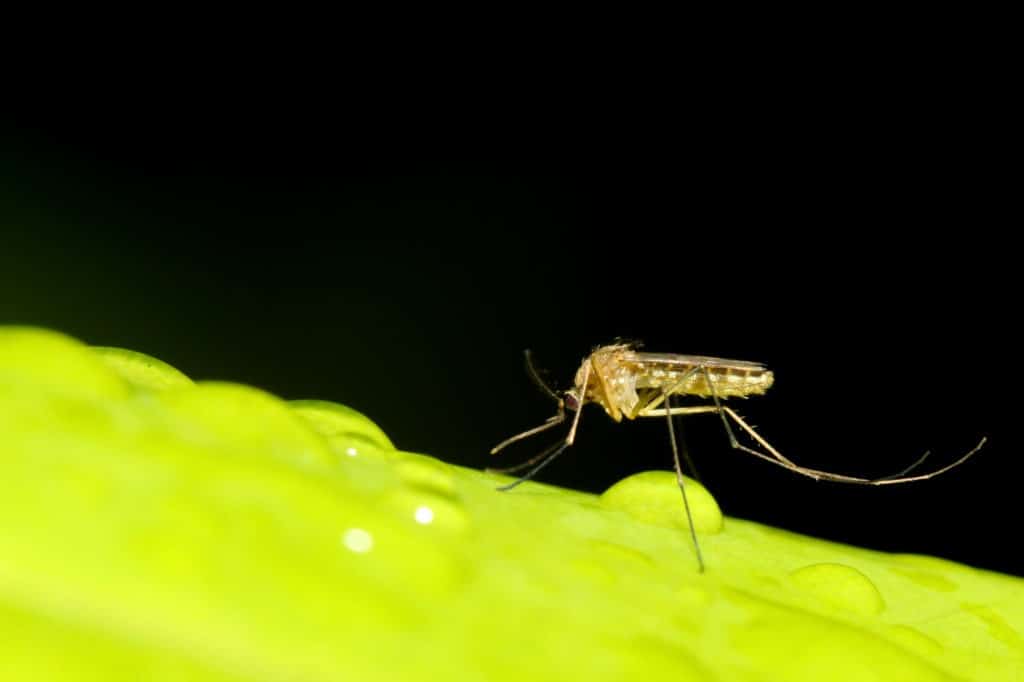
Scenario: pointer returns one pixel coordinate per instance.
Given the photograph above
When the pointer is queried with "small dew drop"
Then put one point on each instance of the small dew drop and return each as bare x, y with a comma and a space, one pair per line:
914, 640
653, 497
427, 475
840, 586
351, 452
357, 540
424, 515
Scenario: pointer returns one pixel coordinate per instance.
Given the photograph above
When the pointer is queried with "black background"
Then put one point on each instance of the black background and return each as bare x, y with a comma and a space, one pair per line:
399, 258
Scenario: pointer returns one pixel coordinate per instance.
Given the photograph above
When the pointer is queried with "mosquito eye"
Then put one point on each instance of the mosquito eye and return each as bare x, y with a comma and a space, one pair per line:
571, 402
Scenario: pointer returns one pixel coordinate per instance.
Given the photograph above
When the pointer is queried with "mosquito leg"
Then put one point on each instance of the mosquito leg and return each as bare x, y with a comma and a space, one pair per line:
522, 465
779, 460
693, 409
679, 480
920, 460
571, 438
733, 442
550, 423
545, 458
671, 389
683, 450
900, 477
776, 458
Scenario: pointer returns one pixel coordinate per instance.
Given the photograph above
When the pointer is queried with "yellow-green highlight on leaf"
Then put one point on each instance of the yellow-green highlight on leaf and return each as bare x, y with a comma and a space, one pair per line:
40, 359
237, 418
214, 532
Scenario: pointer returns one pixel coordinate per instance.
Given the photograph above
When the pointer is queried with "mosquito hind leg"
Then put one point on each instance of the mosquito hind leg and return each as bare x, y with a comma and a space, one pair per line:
773, 456
817, 474
920, 460
733, 441
726, 413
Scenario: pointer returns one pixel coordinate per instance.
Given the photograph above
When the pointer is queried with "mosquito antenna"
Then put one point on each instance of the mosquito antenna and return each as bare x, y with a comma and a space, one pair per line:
535, 375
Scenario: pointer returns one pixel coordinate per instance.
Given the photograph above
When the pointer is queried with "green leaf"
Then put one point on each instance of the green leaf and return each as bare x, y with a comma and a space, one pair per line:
163, 530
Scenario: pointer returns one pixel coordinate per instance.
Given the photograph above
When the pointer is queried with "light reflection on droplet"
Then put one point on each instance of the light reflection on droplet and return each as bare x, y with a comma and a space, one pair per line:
357, 540
424, 515
440, 513
351, 452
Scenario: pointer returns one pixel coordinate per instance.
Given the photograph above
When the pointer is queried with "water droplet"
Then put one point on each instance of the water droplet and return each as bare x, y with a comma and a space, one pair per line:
654, 497
932, 581
55, 362
352, 446
997, 625
621, 554
141, 370
927, 571
841, 586
332, 420
357, 540
914, 640
691, 615
426, 474
651, 653
249, 421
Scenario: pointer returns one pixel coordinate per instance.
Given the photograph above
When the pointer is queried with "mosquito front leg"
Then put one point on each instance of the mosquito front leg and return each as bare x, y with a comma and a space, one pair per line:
579, 408
550, 423
522, 465
545, 458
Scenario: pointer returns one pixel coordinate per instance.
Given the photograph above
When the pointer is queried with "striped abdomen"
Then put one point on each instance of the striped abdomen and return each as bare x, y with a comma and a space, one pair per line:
731, 379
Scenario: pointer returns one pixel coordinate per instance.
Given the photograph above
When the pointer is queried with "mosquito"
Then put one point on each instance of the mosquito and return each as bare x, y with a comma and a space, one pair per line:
629, 383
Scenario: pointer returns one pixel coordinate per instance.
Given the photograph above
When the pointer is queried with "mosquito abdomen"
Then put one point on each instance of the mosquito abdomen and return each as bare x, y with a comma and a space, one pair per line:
729, 382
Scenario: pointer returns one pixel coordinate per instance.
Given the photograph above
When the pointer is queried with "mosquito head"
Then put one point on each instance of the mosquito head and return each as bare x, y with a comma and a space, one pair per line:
571, 400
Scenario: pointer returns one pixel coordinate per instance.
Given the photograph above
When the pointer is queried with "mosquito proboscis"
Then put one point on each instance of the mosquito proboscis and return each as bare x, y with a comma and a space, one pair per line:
630, 384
